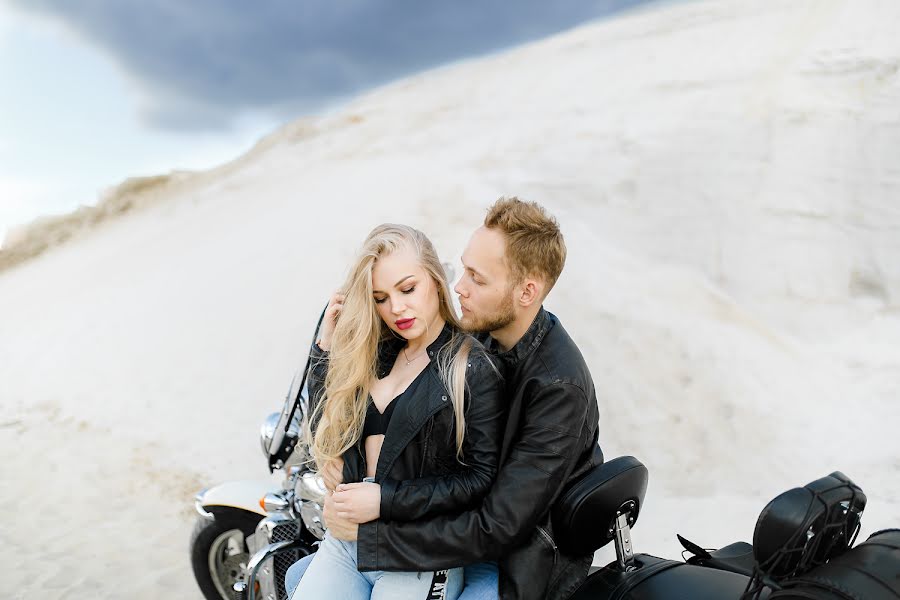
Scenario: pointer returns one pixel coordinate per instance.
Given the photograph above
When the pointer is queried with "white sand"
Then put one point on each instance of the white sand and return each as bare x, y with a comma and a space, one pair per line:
726, 175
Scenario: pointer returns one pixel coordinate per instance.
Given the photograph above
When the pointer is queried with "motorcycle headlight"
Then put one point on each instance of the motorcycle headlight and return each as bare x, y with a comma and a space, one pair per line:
310, 487
267, 432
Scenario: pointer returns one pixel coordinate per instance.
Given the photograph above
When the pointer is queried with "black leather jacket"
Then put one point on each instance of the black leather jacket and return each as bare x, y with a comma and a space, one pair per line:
550, 440
418, 469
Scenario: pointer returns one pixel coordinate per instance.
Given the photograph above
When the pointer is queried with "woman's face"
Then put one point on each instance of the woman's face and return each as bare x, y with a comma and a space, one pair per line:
405, 295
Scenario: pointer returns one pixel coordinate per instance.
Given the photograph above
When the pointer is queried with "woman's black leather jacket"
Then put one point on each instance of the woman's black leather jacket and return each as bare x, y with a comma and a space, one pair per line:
418, 469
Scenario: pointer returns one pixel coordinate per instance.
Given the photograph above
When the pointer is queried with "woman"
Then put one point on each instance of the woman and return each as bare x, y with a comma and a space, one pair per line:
403, 400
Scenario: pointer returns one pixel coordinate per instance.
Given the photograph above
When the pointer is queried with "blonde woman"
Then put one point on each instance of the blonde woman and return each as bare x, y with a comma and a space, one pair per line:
406, 412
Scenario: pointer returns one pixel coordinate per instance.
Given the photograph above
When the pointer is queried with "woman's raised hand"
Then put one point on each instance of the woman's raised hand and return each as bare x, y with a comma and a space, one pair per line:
332, 313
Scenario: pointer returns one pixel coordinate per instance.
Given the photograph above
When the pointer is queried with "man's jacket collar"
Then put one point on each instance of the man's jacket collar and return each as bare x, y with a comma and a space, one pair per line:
527, 343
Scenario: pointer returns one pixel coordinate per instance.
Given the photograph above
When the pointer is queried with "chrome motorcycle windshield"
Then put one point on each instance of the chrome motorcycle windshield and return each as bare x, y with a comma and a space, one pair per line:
276, 445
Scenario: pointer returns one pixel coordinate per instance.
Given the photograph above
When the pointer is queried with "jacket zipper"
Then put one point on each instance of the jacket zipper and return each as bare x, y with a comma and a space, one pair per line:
549, 540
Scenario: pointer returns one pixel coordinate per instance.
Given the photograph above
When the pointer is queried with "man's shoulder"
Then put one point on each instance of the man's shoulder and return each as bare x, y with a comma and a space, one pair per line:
481, 363
560, 360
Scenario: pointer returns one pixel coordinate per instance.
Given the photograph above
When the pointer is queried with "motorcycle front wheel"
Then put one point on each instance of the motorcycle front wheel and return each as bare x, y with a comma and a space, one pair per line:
219, 553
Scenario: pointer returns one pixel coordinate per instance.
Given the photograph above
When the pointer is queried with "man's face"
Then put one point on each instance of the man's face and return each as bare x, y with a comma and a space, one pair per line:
485, 290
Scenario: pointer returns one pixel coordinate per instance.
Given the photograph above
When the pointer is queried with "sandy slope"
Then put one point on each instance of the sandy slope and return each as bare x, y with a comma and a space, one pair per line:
724, 174
90, 513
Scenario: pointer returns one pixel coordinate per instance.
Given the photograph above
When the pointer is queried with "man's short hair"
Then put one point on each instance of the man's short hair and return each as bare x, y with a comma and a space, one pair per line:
534, 243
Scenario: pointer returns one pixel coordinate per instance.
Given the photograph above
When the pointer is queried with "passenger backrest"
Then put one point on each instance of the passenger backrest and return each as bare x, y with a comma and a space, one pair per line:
583, 517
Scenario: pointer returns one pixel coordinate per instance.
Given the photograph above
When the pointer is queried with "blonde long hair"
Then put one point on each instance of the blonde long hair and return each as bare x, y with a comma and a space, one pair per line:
354, 348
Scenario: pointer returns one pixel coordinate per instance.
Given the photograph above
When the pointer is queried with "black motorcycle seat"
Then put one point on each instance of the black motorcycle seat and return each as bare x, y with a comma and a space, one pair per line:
736, 557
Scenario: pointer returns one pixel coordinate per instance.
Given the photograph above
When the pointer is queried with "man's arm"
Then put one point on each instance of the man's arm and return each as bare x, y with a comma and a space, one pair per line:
539, 464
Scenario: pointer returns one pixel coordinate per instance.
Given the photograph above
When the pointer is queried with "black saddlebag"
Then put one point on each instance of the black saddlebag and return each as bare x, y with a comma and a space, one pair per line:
661, 579
870, 571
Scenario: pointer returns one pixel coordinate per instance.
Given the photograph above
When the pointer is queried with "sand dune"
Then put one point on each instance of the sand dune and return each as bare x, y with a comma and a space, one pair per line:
724, 175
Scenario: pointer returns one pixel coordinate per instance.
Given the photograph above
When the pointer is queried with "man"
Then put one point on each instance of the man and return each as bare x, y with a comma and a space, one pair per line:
510, 265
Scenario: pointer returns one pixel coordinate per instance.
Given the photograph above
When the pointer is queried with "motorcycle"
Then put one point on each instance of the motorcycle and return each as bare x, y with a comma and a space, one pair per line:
248, 535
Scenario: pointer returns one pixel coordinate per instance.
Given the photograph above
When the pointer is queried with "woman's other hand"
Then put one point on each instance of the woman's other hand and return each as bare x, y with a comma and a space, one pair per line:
341, 529
333, 473
358, 502
329, 321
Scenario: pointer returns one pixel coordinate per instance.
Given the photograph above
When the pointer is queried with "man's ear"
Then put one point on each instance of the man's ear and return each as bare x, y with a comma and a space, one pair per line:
530, 292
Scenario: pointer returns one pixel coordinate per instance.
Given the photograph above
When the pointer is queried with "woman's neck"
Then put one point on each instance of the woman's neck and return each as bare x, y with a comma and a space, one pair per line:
414, 347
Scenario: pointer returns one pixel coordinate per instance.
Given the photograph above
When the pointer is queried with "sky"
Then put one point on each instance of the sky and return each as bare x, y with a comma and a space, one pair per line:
96, 91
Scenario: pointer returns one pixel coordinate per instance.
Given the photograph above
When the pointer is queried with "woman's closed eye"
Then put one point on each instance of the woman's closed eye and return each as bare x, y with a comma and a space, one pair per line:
381, 299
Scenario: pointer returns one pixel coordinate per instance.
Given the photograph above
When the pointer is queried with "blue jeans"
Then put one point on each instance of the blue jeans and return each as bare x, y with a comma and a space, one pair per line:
480, 579
332, 574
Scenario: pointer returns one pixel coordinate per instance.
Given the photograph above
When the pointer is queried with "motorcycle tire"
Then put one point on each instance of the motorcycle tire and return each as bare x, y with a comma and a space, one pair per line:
219, 551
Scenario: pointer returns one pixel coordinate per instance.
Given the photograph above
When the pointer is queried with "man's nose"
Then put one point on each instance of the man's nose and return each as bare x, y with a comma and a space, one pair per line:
459, 289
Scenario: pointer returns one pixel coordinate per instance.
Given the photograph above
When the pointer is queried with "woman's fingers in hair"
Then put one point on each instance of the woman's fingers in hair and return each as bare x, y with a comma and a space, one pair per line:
336, 299
335, 305
332, 313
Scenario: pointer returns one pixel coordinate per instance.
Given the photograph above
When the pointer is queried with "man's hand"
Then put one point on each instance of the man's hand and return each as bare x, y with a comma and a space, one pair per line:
333, 473
358, 502
339, 528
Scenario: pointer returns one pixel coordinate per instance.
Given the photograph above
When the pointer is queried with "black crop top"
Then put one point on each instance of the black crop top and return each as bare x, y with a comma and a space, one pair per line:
377, 423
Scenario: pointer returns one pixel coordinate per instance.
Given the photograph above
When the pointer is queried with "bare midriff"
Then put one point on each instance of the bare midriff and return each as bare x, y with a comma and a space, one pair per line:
373, 450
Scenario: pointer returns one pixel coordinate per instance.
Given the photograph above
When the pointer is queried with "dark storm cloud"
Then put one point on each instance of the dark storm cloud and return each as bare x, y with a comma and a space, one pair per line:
200, 62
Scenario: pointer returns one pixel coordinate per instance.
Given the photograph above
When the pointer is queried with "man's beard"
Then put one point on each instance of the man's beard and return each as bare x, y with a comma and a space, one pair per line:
503, 316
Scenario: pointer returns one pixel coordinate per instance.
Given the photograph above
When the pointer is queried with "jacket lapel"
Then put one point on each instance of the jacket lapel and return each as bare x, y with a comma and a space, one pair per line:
425, 396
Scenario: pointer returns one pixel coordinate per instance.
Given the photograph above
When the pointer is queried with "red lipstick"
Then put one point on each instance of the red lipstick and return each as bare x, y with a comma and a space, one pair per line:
404, 323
